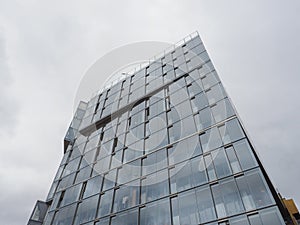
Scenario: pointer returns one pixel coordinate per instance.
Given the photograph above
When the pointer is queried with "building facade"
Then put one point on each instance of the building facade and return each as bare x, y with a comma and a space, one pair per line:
162, 146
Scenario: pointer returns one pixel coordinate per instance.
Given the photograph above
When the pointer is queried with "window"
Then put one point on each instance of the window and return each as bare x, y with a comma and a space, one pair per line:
184, 109
155, 186
205, 204
215, 93
244, 154
71, 166
105, 203
195, 62
109, 180
180, 177
157, 123
194, 88
239, 220
154, 162
198, 171
93, 186
204, 119
179, 96
210, 167
194, 74
89, 157
187, 174
199, 102
174, 86
86, 210
254, 191
231, 131
227, 198
173, 116
71, 195
184, 208
174, 132
64, 215
127, 196
210, 80
129, 172
92, 143
187, 126
221, 163
66, 181
157, 108
134, 151
222, 110
156, 140
102, 165
157, 212
234, 163
271, 216
184, 150
210, 139
127, 218
83, 174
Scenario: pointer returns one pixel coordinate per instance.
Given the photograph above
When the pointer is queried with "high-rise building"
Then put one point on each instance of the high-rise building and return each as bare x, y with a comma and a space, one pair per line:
162, 146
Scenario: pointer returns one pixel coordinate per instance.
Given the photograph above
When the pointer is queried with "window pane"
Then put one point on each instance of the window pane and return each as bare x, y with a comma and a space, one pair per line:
134, 151
244, 154
126, 196
179, 96
222, 110
105, 203
156, 140
180, 177
205, 204
198, 171
204, 119
156, 213
129, 172
157, 123
184, 210
86, 210
210, 167
184, 109
227, 198
187, 126
83, 174
239, 220
155, 186
71, 195
184, 150
65, 215
71, 166
234, 163
221, 163
210, 139
231, 131
254, 190
154, 162
210, 80
126, 218
93, 186
199, 102
271, 216
215, 94
109, 180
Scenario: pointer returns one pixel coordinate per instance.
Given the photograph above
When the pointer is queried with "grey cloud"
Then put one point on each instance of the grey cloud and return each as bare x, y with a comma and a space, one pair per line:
48, 47
9, 106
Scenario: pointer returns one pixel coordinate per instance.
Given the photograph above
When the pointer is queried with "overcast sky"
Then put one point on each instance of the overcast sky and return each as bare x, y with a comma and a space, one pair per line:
47, 46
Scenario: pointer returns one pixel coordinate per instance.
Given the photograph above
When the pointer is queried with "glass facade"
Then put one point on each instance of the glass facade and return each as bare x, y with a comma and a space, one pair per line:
163, 146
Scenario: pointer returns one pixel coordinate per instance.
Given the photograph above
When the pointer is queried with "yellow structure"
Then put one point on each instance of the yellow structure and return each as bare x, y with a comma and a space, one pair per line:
292, 209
